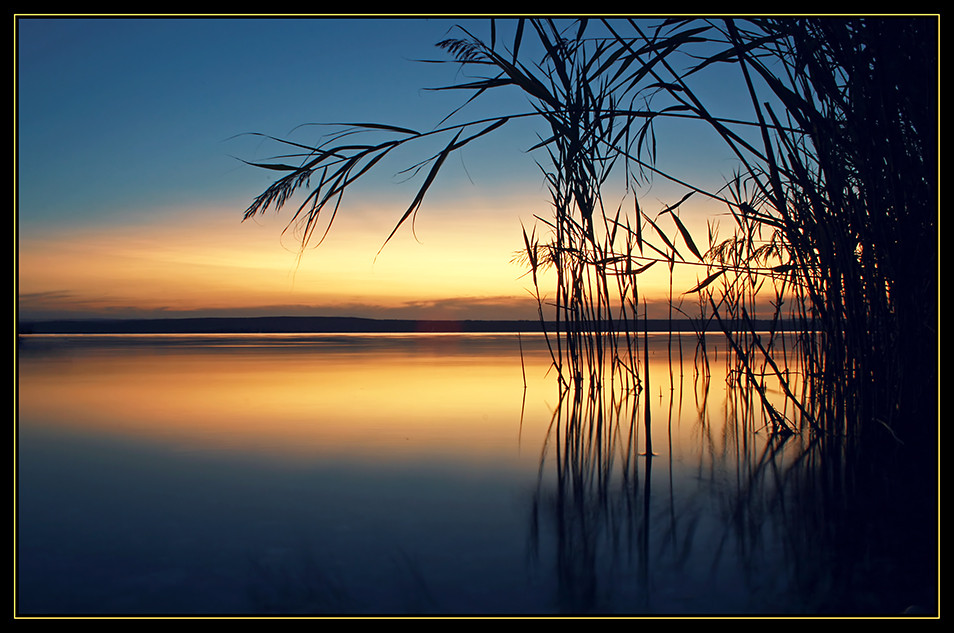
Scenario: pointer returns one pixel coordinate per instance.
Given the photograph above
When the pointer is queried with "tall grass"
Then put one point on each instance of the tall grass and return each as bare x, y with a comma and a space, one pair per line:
833, 205
832, 243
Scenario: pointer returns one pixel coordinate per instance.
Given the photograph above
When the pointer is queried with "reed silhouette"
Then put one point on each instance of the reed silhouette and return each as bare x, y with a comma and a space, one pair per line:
834, 196
833, 208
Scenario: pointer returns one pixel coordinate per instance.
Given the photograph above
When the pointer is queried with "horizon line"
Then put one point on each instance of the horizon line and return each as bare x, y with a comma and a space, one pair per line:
322, 325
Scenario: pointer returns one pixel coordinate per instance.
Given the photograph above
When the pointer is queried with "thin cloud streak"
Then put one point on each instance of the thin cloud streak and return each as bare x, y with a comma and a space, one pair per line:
63, 305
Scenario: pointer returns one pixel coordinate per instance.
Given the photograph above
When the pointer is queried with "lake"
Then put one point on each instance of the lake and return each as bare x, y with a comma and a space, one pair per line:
424, 474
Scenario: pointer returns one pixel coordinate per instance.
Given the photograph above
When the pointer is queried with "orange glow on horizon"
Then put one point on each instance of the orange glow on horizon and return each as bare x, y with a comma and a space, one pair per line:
211, 260
207, 259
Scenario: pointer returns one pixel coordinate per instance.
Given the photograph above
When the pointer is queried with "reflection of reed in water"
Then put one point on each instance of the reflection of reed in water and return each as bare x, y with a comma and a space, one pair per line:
763, 522
589, 502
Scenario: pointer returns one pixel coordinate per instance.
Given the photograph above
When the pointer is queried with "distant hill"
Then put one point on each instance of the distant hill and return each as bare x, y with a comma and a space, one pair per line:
266, 325
300, 325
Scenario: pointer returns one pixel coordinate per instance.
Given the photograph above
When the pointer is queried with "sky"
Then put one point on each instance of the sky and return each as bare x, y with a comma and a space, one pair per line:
130, 183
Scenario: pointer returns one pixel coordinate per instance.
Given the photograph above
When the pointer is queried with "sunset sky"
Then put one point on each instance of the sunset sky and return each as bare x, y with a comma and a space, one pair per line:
130, 191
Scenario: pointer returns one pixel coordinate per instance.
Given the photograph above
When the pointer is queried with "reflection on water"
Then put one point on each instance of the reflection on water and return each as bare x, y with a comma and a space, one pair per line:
418, 474
382, 398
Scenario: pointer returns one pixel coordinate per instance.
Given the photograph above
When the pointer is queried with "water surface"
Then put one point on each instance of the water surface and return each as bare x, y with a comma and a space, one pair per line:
391, 474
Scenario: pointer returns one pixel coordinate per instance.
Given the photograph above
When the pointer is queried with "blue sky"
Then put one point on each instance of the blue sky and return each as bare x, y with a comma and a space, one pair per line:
115, 111
130, 192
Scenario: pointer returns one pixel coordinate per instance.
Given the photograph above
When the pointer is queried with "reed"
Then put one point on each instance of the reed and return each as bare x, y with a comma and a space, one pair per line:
833, 204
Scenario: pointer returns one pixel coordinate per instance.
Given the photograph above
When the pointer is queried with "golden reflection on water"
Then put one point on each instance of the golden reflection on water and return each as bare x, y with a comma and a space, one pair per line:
363, 396
390, 399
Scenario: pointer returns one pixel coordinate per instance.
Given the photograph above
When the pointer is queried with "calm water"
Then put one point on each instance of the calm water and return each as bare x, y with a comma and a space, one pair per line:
416, 474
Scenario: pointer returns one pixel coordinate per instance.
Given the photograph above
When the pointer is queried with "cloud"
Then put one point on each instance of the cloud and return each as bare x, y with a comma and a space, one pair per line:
63, 304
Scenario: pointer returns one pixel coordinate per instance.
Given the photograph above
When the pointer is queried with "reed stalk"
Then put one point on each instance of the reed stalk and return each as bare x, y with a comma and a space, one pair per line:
834, 201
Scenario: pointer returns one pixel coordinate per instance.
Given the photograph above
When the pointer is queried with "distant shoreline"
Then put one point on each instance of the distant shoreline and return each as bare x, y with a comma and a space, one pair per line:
311, 325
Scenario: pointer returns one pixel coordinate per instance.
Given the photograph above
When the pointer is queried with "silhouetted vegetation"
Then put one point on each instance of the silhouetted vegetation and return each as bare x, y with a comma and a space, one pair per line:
833, 204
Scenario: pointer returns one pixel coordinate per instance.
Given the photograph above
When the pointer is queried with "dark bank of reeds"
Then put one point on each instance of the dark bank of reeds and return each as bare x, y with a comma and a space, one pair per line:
833, 206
